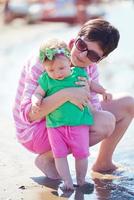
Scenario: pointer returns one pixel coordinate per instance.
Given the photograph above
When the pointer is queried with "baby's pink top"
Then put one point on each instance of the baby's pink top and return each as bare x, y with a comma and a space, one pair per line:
32, 69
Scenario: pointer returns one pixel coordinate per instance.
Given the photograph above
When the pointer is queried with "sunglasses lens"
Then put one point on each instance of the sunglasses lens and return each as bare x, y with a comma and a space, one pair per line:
81, 45
93, 56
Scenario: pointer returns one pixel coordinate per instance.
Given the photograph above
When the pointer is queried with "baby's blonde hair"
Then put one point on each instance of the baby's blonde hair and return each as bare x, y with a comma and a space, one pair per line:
53, 44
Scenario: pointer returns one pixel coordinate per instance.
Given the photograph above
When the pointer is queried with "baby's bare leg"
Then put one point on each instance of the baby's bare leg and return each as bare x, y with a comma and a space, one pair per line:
81, 166
64, 172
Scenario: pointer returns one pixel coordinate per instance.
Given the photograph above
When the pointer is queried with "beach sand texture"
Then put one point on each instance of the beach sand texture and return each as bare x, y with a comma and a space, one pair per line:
19, 178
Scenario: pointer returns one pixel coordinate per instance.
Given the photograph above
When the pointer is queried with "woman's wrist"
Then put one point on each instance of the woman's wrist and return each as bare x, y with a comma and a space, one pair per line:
67, 94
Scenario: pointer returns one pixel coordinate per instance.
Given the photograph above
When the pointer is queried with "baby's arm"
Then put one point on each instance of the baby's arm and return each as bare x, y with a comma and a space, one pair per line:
96, 87
37, 98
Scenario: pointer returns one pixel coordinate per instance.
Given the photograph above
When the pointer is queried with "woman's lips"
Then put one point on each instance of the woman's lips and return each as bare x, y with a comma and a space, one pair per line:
77, 58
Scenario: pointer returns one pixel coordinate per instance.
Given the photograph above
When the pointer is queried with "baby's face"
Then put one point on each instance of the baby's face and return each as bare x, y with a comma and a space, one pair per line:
59, 68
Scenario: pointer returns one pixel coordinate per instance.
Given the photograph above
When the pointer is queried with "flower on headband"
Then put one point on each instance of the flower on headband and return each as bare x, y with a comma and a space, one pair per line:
50, 53
42, 56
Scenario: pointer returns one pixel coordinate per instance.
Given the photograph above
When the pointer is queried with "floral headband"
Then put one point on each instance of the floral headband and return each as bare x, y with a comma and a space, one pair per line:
50, 53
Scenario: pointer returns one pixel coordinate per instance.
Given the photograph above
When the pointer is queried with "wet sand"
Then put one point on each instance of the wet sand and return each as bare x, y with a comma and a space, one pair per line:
19, 178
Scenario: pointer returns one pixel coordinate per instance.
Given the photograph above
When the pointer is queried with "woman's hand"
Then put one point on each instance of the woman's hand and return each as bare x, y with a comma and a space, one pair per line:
83, 95
79, 96
83, 81
107, 96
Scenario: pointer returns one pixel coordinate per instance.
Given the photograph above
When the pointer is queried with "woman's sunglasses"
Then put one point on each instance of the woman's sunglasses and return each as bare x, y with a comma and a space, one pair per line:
82, 46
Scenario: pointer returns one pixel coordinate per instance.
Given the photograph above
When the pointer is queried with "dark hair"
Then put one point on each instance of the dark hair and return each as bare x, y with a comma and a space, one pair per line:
102, 32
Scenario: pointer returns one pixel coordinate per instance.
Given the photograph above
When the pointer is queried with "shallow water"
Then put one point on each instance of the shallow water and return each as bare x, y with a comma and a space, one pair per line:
17, 41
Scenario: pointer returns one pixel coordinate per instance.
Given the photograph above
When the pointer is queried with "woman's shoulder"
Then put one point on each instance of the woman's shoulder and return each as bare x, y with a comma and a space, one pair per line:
32, 64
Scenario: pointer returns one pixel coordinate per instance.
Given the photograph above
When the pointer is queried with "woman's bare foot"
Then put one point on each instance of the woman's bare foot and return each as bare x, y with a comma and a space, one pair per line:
46, 164
104, 167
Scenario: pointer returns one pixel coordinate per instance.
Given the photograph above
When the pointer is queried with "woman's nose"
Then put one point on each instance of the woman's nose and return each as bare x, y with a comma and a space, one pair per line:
83, 54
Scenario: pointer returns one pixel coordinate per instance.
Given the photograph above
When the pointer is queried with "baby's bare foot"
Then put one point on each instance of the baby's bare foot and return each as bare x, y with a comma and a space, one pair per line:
66, 186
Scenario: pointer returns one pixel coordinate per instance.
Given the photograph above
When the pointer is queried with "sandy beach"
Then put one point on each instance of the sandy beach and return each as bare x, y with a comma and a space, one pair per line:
19, 178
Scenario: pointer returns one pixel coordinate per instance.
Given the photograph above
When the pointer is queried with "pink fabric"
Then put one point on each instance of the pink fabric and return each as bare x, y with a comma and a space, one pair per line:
40, 142
27, 84
69, 138
94, 75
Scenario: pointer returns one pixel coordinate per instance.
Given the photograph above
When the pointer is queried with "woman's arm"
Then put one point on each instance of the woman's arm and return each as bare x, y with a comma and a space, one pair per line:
94, 75
78, 96
96, 87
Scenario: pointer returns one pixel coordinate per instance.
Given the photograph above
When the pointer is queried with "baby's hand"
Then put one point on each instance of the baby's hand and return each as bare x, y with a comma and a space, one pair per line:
36, 102
107, 96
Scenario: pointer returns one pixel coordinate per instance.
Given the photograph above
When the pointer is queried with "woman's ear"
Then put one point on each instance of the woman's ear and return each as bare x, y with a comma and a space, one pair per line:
71, 43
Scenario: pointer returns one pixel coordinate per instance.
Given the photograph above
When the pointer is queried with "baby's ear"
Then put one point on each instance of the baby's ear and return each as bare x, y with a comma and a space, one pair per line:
71, 43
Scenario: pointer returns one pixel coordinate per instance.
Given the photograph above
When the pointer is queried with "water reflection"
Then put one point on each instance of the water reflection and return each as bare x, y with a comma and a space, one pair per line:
54, 190
106, 187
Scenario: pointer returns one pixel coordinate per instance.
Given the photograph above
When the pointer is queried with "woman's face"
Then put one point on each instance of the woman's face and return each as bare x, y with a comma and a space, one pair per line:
85, 52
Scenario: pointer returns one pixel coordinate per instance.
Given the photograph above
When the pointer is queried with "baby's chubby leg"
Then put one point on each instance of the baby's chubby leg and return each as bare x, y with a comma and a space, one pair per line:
57, 137
81, 166
63, 170
80, 150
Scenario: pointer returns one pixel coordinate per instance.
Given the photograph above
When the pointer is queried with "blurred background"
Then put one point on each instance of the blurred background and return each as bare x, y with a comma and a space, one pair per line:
24, 24
70, 11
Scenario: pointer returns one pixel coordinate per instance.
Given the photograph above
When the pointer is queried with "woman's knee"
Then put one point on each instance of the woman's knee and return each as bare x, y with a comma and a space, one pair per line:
107, 124
41, 158
129, 105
